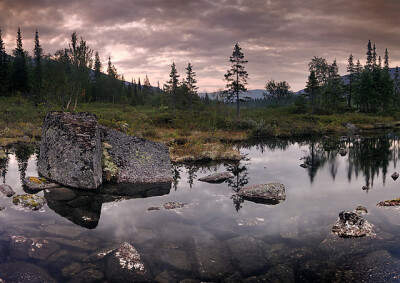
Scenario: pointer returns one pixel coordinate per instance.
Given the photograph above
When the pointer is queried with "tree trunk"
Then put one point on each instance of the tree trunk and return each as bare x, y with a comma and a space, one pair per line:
237, 105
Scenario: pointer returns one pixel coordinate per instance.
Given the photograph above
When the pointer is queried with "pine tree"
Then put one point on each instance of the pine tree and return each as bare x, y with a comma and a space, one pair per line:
374, 56
38, 55
191, 84
20, 72
236, 77
333, 89
396, 85
386, 59
379, 62
146, 85
368, 64
351, 69
172, 85
4, 69
312, 90
97, 66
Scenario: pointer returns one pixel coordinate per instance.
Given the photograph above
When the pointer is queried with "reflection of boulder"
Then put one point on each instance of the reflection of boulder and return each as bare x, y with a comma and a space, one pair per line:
111, 192
81, 207
84, 207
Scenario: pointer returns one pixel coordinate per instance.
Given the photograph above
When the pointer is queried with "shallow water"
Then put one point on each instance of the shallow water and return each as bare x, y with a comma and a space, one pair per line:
217, 235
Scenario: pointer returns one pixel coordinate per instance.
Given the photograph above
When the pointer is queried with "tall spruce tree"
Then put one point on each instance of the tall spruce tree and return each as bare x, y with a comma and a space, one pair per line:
313, 90
396, 82
172, 85
236, 77
191, 84
351, 69
374, 57
4, 69
20, 72
386, 59
37, 57
369, 64
97, 67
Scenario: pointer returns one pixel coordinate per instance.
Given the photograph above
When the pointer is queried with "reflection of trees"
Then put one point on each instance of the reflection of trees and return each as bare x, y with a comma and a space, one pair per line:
23, 152
4, 167
176, 175
240, 179
271, 144
192, 170
368, 155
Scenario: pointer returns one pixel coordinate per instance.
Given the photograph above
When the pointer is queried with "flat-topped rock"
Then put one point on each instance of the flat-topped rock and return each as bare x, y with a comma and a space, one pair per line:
271, 193
38, 183
138, 160
216, 177
70, 150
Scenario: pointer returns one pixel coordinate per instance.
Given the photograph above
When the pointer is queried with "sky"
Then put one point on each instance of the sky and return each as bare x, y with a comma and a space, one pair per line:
144, 37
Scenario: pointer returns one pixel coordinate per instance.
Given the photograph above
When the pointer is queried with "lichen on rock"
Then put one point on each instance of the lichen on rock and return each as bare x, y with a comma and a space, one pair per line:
110, 169
32, 202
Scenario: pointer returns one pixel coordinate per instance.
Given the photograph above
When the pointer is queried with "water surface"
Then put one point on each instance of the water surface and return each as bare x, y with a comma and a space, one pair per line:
217, 235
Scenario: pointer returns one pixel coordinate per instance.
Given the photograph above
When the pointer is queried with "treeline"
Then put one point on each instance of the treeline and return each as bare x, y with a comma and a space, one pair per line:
369, 88
75, 74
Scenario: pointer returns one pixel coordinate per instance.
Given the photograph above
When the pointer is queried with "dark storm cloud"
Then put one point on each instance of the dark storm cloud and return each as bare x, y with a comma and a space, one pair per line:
144, 36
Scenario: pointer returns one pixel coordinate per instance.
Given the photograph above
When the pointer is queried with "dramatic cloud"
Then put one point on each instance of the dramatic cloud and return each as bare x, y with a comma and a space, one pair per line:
143, 37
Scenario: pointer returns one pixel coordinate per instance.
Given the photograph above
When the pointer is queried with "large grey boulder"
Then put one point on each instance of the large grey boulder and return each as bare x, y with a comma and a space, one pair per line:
70, 150
138, 160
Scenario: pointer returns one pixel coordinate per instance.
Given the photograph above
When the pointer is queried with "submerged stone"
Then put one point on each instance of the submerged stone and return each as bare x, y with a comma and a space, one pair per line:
70, 150
271, 193
22, 247
125, 265
138, 160
216, 177
23, 272
350, 224
32, 202
38, 183
7, 190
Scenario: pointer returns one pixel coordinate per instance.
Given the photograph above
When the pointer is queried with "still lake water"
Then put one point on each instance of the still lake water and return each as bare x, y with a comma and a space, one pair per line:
217, 235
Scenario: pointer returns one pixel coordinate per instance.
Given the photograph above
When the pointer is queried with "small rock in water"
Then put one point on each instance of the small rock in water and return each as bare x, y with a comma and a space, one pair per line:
7, 190
360, 210
303, 165
216, 177
392, 202
342, 151
154, 208
38, 183
350, 225
271, 193
2, 208
366, 188
174, 205
395, 175
32, 202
